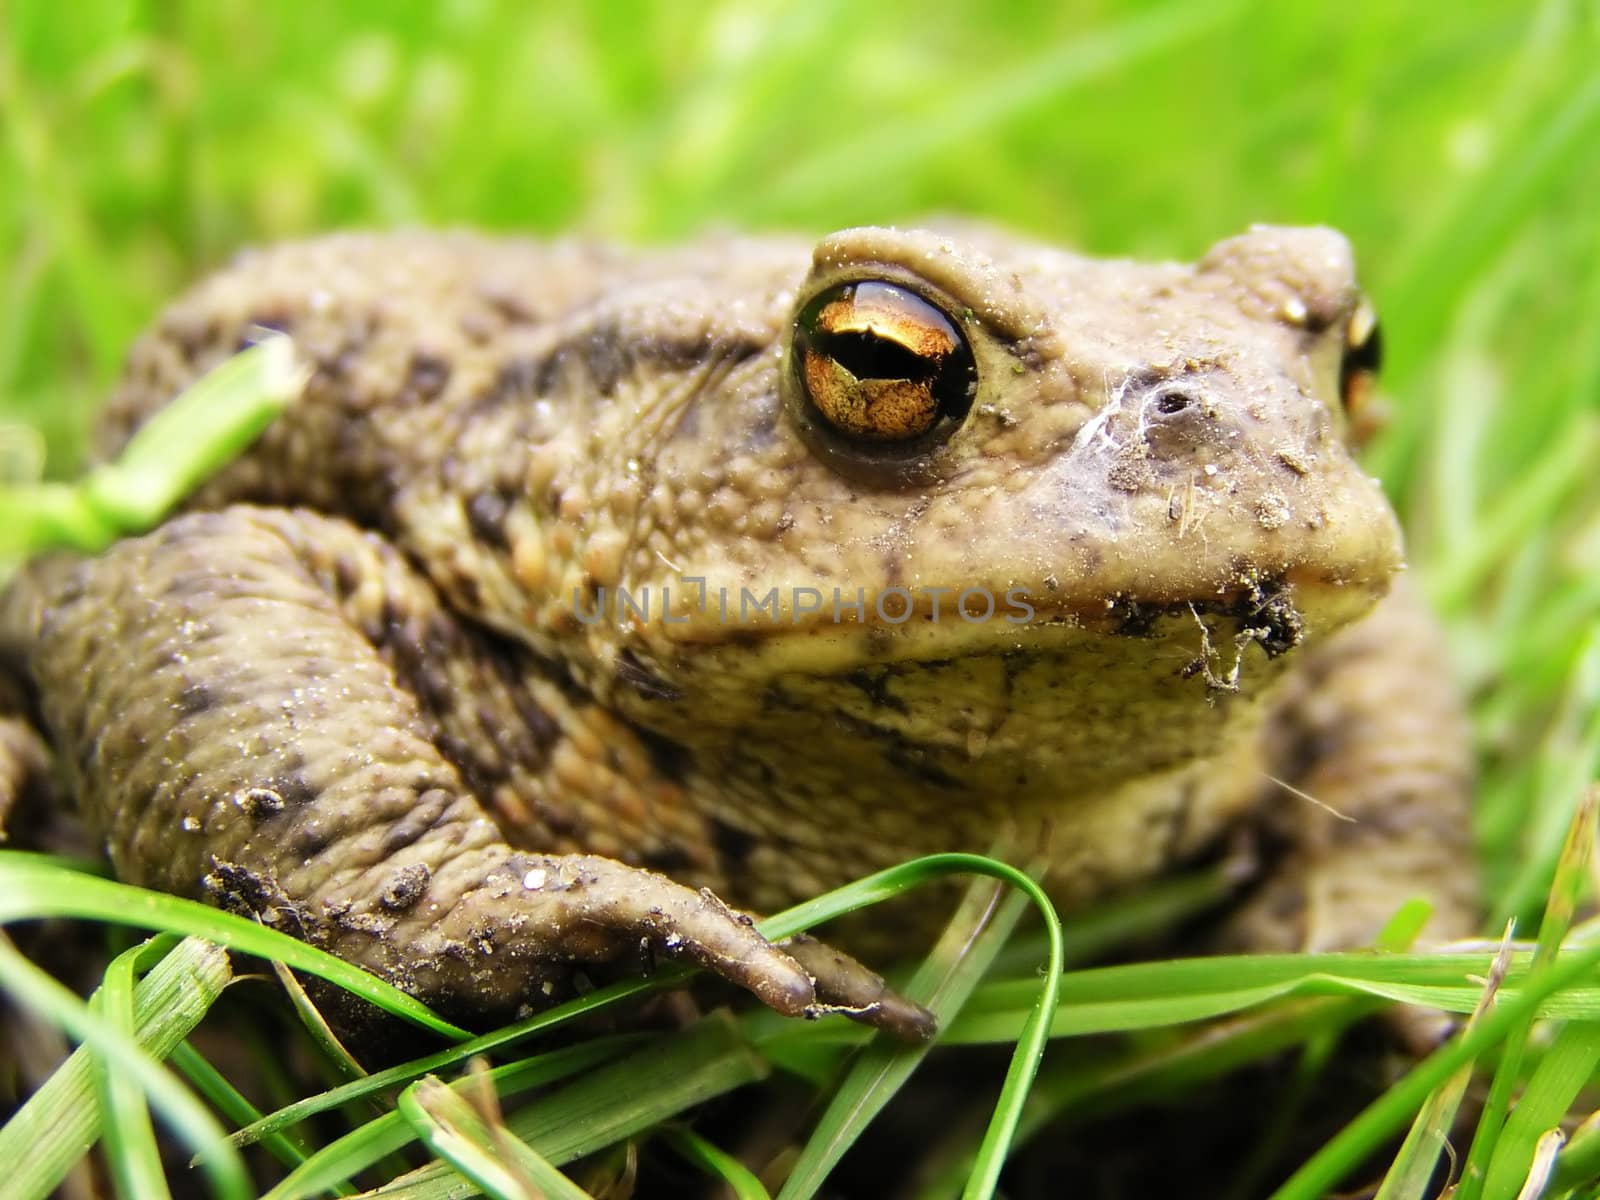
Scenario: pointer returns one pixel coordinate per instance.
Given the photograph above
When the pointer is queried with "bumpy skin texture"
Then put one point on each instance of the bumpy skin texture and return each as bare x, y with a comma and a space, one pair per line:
378, 685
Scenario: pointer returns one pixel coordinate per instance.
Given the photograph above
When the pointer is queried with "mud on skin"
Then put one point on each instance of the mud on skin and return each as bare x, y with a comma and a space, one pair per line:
347, 689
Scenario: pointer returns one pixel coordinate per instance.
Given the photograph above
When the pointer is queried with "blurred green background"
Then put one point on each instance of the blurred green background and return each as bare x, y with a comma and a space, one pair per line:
1458, 145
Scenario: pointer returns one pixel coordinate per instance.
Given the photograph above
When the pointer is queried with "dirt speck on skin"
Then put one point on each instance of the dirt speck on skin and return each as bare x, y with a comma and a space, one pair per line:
405, 887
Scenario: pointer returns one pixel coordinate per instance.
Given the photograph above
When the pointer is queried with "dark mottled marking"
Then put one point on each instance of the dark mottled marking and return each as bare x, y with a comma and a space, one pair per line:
522, 377
482, 770
1263, 610
913, 761
468, 588
725, 349
508, 304
733, 844
875, 686
346, 575
486, 516
197, 337
906, 756
668, 859
196, 698
640, 678
426, 376
539, 726
606, 356
405, 887
671, 759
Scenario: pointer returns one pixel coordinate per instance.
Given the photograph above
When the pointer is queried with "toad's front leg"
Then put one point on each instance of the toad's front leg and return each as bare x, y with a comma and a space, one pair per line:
230, 698
1372, 774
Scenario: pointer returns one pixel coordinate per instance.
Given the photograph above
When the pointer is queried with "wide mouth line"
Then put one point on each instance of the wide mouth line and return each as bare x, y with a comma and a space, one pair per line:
1273, 603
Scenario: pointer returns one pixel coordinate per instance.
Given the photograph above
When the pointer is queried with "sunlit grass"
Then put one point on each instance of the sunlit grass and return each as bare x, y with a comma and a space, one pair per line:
1459, 147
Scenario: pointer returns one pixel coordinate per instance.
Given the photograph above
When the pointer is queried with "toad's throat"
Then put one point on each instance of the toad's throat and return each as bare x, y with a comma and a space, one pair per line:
1058, 705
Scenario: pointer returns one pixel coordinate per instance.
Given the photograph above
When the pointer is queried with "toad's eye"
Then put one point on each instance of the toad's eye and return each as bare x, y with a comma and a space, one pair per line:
1363, 356
879, 364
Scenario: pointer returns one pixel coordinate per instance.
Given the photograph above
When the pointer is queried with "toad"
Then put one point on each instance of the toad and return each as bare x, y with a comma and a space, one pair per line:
589, 598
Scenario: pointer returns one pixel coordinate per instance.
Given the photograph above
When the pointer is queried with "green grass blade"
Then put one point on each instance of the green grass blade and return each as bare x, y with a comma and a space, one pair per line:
176, 450
481, 1149
1567, 762
1578, 1164
1571, 877
619, 1100
233, 1105
1386, 1114
717, 1163
365, 1145
31, 888
946, 978
127, 1136
1411, 1174
881, 1071
61, 1120
1565, 1069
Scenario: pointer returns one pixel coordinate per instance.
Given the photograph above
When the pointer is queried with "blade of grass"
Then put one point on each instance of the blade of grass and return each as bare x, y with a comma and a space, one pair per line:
181, 446
717, 1163
31, 888
404, 1073
1572, 876
1568, 758
619, 1100
480, 1148
1566, 1068
1147, 995
1386, 1114
1411, 1174
1578, 1164
1157, 1074
126, 1134
365, 1145
975, 934
881, 1071
176, 1001
227, 1100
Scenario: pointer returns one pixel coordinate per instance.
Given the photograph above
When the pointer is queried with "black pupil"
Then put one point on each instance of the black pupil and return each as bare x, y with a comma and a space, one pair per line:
1366, 358
868, 356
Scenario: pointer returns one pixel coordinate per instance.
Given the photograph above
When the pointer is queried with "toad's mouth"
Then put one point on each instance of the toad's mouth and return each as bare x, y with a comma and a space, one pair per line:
839, 627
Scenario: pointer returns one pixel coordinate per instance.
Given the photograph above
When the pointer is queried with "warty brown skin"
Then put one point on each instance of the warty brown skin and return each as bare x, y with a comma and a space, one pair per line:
358, 687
